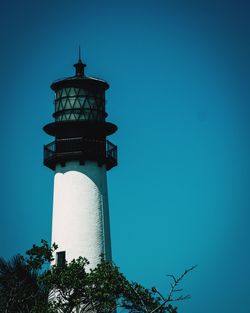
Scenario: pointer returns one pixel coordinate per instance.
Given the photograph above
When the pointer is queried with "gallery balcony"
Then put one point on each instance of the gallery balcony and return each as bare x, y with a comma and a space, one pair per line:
80, 149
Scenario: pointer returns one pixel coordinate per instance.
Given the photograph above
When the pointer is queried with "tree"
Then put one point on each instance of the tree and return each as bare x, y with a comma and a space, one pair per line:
20, 288
28, 284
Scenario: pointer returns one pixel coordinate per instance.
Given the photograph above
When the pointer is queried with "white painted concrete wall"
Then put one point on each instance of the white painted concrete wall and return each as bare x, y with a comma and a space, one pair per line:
80, 223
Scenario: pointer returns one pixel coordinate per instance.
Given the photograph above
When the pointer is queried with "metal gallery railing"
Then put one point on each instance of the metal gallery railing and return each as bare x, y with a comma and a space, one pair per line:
80, 148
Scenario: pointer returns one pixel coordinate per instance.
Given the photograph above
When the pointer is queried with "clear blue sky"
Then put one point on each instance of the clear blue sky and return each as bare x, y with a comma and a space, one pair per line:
179, 77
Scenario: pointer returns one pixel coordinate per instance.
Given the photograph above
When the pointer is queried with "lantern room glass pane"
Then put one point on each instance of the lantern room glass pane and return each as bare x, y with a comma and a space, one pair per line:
67, 91
67, 106
63, 104
72, 102
64, 93
81, 101
73, 92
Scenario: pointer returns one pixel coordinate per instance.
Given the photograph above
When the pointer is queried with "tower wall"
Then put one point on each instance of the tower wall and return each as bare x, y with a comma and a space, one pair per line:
80, 225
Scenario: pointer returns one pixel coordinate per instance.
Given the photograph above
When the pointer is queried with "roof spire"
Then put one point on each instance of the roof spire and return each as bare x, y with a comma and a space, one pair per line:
79, 55
79, 66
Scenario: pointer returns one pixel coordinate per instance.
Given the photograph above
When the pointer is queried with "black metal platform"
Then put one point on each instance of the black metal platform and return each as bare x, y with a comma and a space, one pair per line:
81, 149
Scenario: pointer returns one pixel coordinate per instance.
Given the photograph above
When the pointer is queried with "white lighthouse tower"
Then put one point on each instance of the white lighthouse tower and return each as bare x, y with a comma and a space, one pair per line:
80, 157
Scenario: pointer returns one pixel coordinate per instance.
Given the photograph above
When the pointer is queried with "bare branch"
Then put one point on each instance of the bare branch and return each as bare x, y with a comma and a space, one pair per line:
173, 289
158, 292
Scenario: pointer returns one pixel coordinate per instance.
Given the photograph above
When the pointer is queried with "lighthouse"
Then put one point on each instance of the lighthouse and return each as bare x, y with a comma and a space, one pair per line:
80, 156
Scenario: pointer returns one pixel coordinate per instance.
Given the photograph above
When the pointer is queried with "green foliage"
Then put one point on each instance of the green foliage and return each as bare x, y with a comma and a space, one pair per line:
96, 289
37, 256
26, 286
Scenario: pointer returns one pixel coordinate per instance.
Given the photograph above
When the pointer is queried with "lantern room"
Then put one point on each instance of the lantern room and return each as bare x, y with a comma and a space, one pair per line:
78, 104
80, 126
